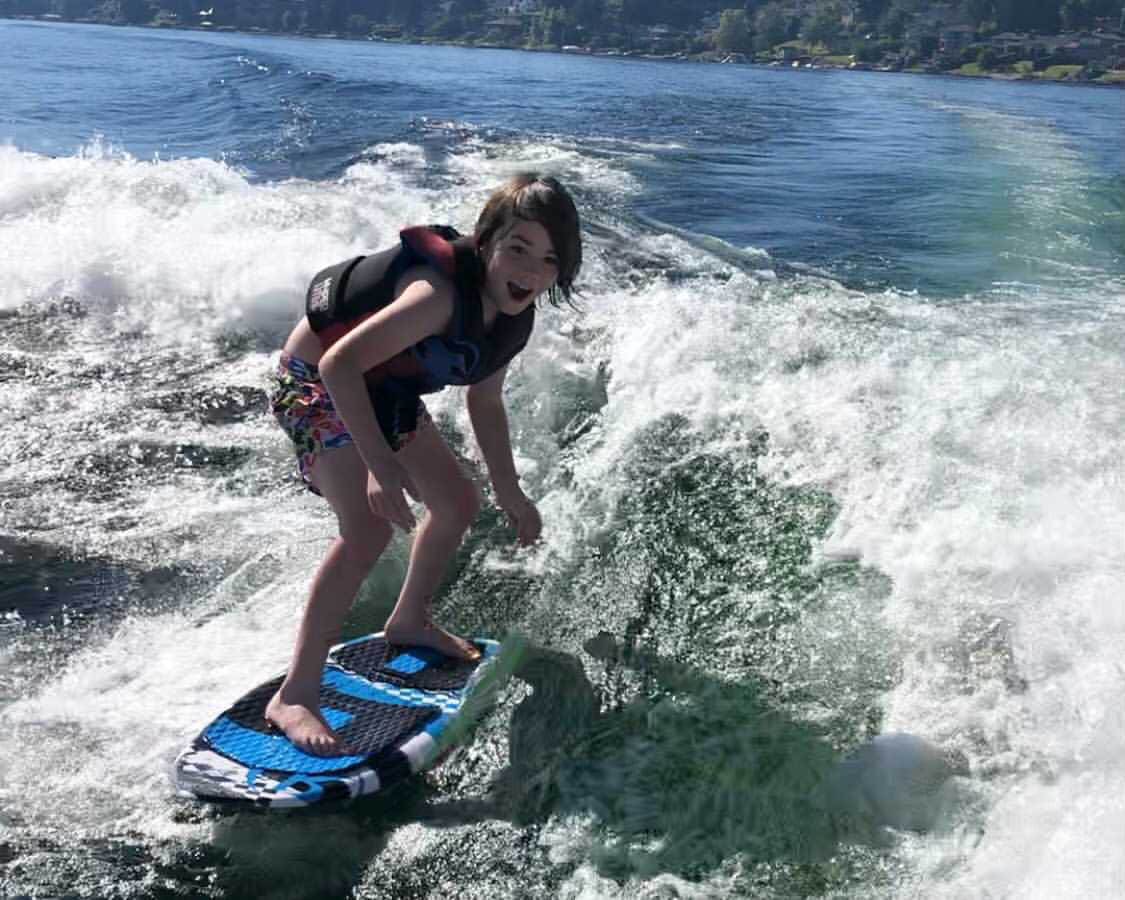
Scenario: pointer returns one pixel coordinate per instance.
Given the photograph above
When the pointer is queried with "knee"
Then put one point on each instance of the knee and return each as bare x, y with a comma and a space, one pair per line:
458, 505
363, 543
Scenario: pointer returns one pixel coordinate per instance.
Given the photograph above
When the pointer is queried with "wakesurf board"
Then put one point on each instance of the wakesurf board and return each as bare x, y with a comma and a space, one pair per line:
390, 705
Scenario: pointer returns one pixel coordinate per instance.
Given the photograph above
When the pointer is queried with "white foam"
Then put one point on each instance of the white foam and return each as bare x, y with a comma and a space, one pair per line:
398, 153
482, 167
185, 248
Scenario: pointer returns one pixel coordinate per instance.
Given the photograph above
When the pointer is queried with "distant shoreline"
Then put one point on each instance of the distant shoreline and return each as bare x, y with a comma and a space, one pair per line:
714, 57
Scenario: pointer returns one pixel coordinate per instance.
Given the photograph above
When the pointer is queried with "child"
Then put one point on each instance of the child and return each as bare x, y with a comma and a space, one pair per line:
379, 332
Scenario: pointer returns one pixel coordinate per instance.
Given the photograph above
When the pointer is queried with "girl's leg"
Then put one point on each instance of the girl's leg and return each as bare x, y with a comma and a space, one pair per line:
452, 502
341, 477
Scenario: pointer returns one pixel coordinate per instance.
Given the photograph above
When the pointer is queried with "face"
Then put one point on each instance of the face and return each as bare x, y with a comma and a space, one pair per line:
522, 265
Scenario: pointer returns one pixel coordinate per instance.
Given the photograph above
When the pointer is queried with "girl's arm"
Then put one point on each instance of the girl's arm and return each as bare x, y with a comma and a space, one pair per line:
424, 308
485, 401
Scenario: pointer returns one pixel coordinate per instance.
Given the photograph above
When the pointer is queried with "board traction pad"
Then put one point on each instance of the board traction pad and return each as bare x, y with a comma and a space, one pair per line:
389, 705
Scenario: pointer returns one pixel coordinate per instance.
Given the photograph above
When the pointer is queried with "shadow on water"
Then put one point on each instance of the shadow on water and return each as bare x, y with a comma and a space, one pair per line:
55, 600
679, 781
46, 585
703, 772
712, 563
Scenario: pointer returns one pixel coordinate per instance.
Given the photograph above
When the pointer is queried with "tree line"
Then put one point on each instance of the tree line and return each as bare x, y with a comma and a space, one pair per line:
754, 24
761, 25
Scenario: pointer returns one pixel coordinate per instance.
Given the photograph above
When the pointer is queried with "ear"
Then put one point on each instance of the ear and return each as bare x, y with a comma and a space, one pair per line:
487, 246
486, 249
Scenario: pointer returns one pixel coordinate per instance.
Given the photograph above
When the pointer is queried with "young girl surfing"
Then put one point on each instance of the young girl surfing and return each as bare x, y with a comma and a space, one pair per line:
379, 332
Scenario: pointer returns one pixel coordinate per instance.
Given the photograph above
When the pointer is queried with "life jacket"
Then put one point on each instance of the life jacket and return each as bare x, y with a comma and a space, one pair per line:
344, 295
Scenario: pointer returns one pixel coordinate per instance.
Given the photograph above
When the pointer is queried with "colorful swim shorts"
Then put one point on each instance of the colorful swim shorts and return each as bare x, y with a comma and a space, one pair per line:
303, 407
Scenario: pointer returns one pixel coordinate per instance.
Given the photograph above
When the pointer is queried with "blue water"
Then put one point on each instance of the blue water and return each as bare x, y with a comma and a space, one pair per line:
832, 449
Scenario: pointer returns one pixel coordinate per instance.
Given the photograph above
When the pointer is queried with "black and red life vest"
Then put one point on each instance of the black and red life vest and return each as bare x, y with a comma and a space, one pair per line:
343, 295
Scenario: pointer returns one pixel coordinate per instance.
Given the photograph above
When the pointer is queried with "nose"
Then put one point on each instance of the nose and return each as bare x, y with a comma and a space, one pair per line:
530, 272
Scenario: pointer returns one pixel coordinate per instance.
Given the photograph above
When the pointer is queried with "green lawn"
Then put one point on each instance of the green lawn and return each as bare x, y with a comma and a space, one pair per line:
1061, 71
1053, 73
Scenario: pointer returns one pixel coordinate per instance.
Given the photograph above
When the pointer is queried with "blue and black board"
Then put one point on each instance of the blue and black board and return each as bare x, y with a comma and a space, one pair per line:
389, 704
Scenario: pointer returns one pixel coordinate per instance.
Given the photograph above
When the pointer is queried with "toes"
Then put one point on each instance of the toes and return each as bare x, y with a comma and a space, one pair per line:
318, 745
467, 649
306, 734
435, 638
468, 652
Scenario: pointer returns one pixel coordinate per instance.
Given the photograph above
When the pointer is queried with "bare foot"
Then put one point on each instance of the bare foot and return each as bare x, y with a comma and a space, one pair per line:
304, 726
433, 636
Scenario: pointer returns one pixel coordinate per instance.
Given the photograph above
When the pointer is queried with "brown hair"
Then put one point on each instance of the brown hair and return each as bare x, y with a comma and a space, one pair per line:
536, 198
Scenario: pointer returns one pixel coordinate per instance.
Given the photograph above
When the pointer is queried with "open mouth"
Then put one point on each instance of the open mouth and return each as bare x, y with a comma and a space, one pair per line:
518, 292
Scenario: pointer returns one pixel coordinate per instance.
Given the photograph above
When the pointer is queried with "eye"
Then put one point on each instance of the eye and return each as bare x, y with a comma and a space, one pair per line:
552, 262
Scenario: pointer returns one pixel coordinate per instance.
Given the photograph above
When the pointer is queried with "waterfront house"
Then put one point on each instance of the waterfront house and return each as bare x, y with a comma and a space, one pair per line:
1079, 48
1010, 43
506, 27
920, 40
663, 38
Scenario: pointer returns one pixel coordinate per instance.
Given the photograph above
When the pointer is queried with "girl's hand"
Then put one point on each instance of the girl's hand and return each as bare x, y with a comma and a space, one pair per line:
523, 517
385, 494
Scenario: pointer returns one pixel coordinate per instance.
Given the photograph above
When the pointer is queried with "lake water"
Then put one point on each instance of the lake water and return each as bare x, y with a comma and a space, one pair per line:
833, 445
